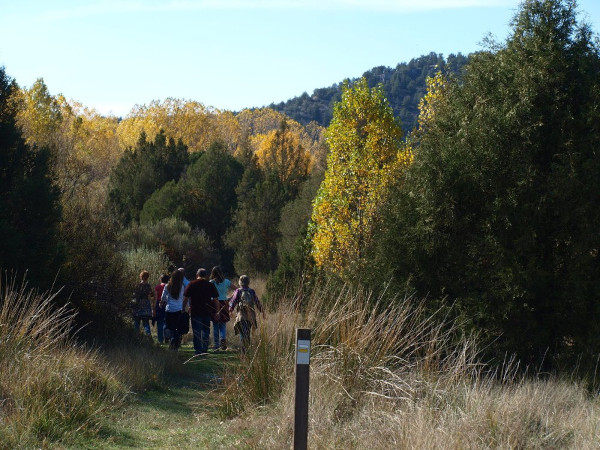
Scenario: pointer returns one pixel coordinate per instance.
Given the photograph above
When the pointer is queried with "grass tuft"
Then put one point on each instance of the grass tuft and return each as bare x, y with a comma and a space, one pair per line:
385, 374
51, 388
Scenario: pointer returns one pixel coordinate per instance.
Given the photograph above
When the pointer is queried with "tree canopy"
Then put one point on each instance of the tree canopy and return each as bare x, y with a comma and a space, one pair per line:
499, 211
403, 86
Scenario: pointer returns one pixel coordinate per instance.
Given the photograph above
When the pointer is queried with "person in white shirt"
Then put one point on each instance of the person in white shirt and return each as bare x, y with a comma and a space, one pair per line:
172, 300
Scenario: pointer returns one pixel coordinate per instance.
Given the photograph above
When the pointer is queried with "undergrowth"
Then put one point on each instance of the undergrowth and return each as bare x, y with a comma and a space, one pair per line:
384, 374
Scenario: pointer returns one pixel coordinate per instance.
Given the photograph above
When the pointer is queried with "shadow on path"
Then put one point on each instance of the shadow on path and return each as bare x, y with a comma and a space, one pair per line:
179, 413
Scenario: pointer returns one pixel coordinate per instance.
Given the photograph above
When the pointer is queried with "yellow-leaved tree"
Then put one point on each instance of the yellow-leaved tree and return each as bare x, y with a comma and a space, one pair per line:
365, 154
190, 121
83, 143
432, 101
282, 153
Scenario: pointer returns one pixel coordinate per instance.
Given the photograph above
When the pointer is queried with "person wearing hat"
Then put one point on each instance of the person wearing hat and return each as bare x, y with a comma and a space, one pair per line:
203, 299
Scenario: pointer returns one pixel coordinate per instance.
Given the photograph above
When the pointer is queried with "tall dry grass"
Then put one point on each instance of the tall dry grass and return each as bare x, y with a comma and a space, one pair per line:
393, 377
360, 348
51, 389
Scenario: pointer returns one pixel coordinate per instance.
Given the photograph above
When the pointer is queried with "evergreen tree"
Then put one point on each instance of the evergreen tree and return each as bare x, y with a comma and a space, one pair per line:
499, 211
294, 246
403, 86
254, 234
142, 171
29, 199
208, 191
163, 203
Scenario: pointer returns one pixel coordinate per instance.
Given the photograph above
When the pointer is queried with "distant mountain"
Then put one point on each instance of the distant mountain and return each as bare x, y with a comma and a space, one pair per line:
404, 86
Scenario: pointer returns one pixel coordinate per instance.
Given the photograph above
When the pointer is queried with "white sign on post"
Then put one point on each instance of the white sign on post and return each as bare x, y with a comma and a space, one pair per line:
303, 352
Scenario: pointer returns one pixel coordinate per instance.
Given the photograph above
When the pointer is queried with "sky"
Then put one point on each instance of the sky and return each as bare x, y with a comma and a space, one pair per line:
111, 55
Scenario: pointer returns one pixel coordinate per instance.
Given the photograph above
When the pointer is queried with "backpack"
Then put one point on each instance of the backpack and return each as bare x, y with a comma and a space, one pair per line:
245, 307
246, 298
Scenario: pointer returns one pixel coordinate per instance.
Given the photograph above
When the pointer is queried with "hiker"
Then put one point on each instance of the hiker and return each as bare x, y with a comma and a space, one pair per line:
142, 303
158, 312
172, 301
245, 303
221, 317
203, 299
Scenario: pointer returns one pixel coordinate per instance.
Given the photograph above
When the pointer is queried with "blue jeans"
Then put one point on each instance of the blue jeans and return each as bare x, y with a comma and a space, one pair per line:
219, 333
201, 330
160, 330
145, 322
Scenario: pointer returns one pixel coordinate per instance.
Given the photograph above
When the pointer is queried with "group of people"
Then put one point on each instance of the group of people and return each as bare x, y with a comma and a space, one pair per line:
176, 300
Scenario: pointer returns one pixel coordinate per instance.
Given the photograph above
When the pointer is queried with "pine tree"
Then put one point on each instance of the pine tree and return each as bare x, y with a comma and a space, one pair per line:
208, 191
254, 234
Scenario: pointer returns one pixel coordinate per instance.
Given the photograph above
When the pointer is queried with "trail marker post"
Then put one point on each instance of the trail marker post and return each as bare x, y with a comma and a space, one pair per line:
302, 382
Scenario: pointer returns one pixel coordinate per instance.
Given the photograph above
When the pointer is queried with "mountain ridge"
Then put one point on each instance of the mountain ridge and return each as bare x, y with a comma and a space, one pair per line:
404, 86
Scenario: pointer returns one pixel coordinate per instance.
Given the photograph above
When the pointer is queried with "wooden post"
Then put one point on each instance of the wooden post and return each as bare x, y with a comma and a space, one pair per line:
302, 382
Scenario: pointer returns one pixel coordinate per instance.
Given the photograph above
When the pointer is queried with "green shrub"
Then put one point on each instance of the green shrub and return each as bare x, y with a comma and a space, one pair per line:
175, 238
138, 259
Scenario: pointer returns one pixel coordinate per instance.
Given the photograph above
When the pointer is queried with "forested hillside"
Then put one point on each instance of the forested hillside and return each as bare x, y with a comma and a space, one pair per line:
404, 86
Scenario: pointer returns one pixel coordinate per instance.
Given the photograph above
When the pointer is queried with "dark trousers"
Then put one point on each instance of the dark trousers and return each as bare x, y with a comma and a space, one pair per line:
171, 331
160, 330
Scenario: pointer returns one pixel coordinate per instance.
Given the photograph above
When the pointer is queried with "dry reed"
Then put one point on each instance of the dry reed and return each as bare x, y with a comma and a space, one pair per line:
51, 389
386, 375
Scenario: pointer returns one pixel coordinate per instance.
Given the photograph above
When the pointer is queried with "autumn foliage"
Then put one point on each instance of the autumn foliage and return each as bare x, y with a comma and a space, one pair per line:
365, 154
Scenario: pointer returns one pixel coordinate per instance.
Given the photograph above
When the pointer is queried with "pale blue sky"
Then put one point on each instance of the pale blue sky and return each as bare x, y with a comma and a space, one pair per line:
113, 54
